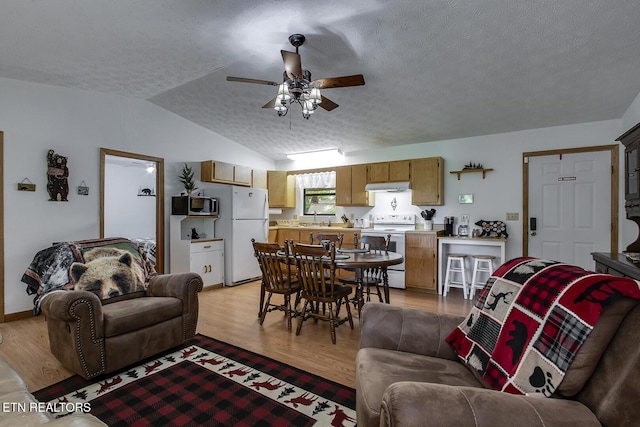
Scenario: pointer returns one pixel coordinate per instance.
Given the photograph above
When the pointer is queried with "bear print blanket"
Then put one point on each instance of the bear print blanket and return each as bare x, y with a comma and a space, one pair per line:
106, 267
531, 319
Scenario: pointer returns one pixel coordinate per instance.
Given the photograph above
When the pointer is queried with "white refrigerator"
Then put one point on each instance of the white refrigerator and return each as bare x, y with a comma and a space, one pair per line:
244, 214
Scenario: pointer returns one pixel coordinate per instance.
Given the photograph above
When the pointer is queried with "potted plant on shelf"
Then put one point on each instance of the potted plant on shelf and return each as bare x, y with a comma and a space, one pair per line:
186, 179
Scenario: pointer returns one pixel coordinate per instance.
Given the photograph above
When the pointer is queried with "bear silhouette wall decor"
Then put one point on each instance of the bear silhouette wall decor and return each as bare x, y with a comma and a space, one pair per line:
57, 177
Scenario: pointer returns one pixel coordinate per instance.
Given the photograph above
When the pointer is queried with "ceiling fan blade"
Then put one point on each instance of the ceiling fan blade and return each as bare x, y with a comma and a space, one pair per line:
327, 104
292, 64
256, 81
332, 82
270, 104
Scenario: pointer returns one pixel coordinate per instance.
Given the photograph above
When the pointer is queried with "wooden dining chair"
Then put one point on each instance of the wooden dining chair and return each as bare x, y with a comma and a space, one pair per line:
320, 237
277, 278
370, 277
317, 272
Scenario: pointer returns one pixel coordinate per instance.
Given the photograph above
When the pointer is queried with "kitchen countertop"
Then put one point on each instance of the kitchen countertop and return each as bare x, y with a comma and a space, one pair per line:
437, 232
314, 227
467, 238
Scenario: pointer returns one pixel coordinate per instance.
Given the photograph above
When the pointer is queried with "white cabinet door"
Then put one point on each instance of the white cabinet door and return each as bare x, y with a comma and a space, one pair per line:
207, 259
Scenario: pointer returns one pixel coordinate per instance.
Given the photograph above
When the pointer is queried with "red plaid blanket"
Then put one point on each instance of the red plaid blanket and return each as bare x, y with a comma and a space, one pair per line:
530, 321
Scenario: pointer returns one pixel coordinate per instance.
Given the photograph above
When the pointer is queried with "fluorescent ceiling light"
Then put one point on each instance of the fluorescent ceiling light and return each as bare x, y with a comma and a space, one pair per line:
319, 155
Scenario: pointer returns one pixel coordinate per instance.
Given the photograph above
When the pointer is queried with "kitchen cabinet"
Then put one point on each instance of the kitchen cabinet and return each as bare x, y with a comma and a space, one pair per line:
207, 259
395, 171
350, 186
282, 189
631, 142
224, 173
204, 256
427, 181
242, 175
259, 178
273, 235
421, 267
290, 234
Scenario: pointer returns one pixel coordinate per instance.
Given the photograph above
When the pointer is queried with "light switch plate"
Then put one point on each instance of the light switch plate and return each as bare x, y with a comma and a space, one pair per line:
464, 218
513, 216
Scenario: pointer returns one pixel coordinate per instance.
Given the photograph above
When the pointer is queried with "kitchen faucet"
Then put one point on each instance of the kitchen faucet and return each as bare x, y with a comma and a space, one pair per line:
315, 216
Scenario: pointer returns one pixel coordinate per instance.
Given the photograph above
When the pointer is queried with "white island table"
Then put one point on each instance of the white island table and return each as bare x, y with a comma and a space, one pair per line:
480, 246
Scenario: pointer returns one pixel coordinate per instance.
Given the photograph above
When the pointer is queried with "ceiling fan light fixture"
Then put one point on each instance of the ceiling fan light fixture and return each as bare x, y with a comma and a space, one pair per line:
283, 93
280, 106
308, 107
314, 96
296, 85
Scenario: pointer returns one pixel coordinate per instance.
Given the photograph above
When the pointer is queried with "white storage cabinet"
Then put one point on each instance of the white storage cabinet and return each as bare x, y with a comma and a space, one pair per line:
204, 256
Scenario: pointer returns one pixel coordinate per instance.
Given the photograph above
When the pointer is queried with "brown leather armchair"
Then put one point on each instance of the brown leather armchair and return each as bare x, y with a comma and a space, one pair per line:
91, 337
408, 375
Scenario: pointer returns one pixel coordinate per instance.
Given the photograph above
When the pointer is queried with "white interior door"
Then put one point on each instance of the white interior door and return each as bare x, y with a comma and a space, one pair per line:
569, 199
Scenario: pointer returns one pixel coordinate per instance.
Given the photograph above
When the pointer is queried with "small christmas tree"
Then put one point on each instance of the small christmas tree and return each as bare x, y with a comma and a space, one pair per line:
186, 179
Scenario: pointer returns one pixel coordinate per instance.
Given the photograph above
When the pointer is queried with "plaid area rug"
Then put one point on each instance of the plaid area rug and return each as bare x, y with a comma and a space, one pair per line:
207, 382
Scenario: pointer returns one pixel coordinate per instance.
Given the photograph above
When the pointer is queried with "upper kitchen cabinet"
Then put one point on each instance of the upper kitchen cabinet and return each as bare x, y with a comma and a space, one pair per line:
282, 189
396, 171
224, 173
350, 184
242, 175
259, 178
427, 181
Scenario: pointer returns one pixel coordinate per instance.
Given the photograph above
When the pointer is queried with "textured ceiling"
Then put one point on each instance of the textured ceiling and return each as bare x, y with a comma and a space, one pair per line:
434, 70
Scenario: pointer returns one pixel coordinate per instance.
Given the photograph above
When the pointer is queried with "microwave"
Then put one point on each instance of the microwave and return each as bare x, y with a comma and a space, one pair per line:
194, 205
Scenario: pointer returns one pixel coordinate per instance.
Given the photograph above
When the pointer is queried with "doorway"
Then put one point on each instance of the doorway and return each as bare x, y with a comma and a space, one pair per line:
570, 201
132, 200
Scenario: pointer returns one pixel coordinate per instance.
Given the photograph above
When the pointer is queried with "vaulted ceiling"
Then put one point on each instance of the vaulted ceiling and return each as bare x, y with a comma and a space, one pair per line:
434, 70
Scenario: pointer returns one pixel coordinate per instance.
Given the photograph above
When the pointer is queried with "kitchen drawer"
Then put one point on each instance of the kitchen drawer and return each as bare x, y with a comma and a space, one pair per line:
211, 245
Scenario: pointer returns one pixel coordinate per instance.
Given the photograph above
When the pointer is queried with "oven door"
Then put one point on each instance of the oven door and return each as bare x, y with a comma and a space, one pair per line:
396, 244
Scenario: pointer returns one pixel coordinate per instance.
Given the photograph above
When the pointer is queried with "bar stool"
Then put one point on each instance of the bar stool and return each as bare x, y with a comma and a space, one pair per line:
453, 268
481, 264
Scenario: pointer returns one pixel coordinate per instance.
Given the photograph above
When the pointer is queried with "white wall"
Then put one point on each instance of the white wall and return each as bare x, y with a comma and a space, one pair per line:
36, 118
121, 200
632, 116
501, 191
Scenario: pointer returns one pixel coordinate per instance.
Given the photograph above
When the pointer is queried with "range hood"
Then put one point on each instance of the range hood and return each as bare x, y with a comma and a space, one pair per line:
390, 187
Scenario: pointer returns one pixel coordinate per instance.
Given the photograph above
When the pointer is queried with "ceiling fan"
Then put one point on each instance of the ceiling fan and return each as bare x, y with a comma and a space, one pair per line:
297, 86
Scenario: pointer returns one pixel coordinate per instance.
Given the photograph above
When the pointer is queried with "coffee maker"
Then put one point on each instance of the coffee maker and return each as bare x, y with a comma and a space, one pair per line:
448, 225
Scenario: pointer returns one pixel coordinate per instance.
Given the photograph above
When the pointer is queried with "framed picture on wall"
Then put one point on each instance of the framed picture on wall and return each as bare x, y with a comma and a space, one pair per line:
465, 198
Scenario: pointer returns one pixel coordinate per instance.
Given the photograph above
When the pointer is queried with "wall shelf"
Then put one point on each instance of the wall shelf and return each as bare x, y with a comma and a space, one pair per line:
483, 171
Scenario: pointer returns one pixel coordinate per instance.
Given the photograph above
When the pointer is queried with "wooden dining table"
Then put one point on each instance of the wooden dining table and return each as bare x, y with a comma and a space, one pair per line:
358, 260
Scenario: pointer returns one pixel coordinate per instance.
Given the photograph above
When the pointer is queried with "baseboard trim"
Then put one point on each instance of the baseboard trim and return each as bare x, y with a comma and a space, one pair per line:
17, 316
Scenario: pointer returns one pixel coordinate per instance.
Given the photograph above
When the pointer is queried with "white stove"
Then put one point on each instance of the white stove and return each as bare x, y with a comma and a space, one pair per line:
395, 225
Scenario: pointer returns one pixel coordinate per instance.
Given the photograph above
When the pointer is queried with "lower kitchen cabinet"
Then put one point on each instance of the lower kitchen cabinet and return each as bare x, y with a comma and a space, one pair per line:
207, 259
421, 263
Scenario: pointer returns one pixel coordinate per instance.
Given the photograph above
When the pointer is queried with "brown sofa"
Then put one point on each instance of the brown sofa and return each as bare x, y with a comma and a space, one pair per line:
21, 407
91, 337
408, 375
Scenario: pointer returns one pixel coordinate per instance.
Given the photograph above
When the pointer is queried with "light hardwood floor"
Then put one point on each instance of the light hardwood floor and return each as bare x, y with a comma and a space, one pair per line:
230, 315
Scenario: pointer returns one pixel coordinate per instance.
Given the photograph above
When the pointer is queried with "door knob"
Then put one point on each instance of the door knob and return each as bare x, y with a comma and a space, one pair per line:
533, 233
